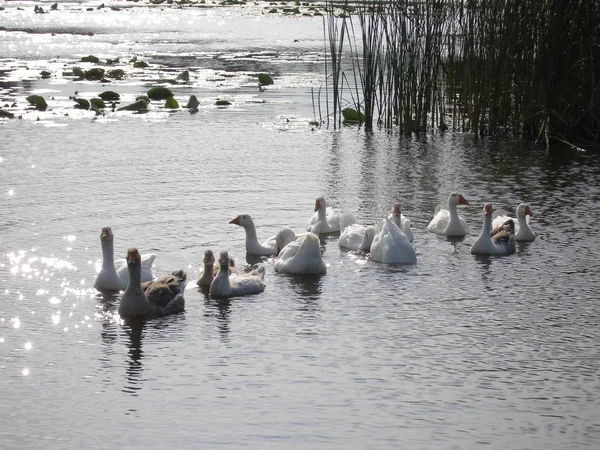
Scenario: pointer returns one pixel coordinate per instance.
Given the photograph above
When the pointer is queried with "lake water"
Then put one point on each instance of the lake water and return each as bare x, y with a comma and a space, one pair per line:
456, 351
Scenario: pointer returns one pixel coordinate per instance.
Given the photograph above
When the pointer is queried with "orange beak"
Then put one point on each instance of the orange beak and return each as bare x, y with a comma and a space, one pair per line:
105, 232
528, 211
462, 200
235, 221
317, 205
487, 210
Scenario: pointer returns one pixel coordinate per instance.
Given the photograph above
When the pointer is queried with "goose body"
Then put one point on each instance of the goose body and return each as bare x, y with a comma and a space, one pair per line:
253, 247
500, 242
236, 285
392, 246
208, 273
523, 231
160, 297
357, 237
401, 222
332, 220
114, 275
447, 222
302, 256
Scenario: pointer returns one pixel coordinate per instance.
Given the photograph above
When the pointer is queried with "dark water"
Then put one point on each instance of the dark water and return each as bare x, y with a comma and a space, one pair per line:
456, 351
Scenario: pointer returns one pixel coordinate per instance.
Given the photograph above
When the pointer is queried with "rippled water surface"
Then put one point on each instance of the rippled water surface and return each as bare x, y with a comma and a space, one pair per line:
456, 351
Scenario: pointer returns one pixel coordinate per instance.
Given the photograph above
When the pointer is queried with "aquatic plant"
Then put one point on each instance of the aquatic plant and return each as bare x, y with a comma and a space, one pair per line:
97, 103
159, 93
138, 105
38, 101
91, 59
81, 103
264, 79
171, 103
192, 103
109, 96
526, 67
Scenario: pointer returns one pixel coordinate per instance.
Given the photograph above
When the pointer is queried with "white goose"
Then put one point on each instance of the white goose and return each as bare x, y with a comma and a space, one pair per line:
500, 242
392, 246
160, 297
402, 222
357, 237
114, 275
253, 247
207, 274
523, 231
236, 285
301, 256
332, 219
447, 221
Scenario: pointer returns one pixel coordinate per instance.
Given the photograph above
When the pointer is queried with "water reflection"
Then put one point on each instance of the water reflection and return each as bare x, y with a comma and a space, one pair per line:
221, 310
133, 328
308, 286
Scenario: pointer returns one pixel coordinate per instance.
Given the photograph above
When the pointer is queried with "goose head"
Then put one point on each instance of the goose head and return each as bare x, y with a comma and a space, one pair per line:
106, 235
523, 210
134, 259
456, 198
320, 204
396, 214
243, 220
209, 258
488, 210
283, 238
224, 260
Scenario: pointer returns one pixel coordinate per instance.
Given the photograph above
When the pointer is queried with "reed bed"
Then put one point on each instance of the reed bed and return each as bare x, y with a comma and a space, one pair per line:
526, 67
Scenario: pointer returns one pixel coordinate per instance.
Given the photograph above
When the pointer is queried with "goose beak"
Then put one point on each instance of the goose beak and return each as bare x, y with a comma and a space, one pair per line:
105, 232
462, 200
235, 221
317, 205
487, 209
396, 211
528, 211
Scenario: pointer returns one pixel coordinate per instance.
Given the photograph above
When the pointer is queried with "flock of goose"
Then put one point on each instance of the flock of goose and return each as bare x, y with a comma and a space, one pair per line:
390, 242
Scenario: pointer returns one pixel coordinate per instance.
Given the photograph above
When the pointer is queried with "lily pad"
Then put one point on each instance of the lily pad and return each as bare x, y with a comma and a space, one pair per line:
78, 71
90, 59
38, 101
6, 114
264, 79
81, 103
140, 65
183, 76
140, 105
98, 103
45, 74
171, 103
352, 116
192, 103
222, 103
94, 74
109, 96
116, 74
159, 93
